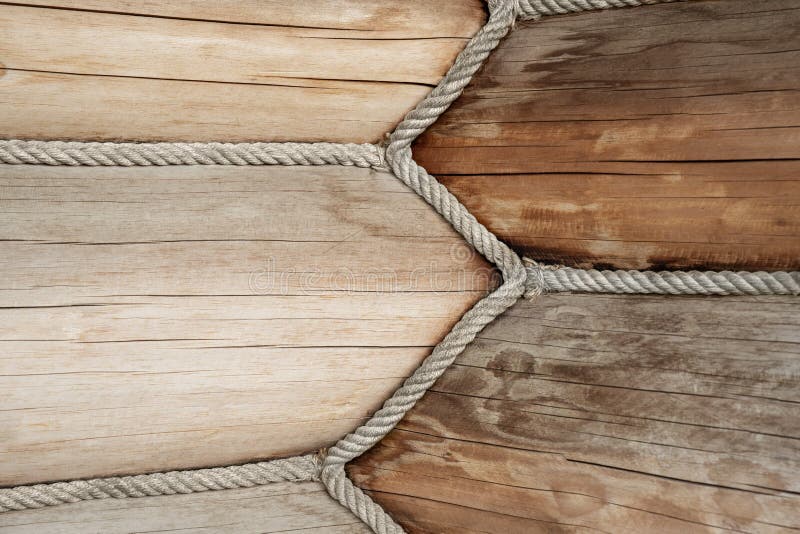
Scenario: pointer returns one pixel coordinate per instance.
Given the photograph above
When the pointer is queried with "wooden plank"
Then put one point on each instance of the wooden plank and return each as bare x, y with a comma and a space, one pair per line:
297, 507
164, 74
366, 18
154, 47
256, 311
579, 413
612, 139
65, 106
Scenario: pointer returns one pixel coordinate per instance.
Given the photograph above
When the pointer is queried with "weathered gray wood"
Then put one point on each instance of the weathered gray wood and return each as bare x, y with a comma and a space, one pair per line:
170, 318
580, 413
283, 507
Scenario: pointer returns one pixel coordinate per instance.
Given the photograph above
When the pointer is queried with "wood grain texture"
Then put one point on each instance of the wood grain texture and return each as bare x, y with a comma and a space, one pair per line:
157, 318
362, 18
666, 136
592, 413
283, 507
194, 71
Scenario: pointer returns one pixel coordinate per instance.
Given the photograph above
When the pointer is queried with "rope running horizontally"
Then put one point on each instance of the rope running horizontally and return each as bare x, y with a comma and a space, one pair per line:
17, 152
296, 469
518, 279
554, 279
536, 9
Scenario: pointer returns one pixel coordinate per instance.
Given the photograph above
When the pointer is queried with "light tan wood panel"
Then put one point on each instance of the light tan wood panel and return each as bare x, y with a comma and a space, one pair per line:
666, 136
586, 413
163, 318
366, 18
45, 105
283, 507
191, 72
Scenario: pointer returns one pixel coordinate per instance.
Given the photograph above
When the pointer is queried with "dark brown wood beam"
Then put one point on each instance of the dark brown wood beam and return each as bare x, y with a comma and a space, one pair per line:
665, 136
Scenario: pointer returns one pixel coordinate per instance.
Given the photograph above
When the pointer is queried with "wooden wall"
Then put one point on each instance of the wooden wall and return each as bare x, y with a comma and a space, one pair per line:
665, 136
181, 317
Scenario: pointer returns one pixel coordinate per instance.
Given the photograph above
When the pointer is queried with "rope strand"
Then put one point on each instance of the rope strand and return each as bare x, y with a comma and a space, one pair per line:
536, 9
295, 469
553, 279
18, 152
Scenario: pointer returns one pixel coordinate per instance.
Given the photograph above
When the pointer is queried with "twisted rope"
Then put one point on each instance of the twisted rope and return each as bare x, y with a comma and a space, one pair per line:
296, 469
16, 152
550, 279
536, 9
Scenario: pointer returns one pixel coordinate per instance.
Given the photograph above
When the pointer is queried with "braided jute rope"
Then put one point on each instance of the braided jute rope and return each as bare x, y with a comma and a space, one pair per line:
17, 152
296, 469
552, 279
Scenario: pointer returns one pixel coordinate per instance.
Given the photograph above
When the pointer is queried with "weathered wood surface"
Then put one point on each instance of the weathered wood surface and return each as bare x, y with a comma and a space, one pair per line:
166, 318
665, 136
222, 71
363, 18
592, 413
283, 507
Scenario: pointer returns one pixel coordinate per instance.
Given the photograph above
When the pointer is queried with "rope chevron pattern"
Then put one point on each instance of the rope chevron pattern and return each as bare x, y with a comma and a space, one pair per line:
16, 152
296, 469
551, 279
398, 154
518, 278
